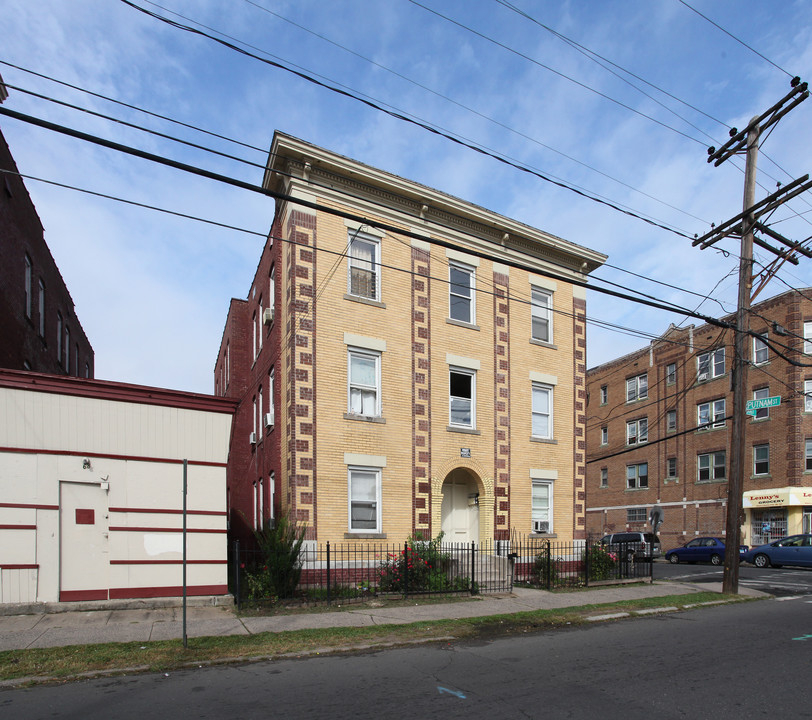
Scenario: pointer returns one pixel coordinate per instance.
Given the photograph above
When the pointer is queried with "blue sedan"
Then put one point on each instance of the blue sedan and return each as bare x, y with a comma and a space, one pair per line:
792, 550
702, 549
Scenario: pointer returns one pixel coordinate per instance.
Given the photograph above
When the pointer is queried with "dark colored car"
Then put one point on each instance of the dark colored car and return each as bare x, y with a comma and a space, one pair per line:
702, 549
633, 545
792, 550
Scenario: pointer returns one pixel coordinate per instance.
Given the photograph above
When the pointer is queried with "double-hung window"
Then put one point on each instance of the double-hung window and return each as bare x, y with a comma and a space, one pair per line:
637, 431
637, 388
808, 338
710, 365
604, 477
461, 293
807, 395
637, 476
671, 373
542, 506
761, 353
604, 394
59, 337
761, 459
462, 397
41, 308
711, 466
364, 499
711, 414
541, 309
28, 274
761, 394
542, 411
671, 420
671, 467
364, 375
364, 267
605, 435
808, 454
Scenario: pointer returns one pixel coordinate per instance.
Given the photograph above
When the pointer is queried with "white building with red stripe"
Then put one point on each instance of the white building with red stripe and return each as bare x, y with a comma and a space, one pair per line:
91, 490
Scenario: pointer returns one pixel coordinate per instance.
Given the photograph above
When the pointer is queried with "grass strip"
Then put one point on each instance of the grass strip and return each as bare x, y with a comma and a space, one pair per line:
80, 660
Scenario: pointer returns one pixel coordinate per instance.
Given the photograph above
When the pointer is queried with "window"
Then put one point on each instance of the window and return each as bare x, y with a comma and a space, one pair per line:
364, 267
637, 431
604, 435
711, 466
67, 349
671, 467
364, 396
671, 373
637, 476
637, 388
364, 494
256, 501
760, 351
604, 394
671, 420
59, 337
256, 333
541, 512
28, 270
462, 396
710, 365
541, 312
760, 394
41, 309
271, 494
604, 477
542, 411
808, 338
761, 459
261, 419
255, 417
461, 293
272, 289
807, 395
271, 405
711, 414
259, 325
636, 515
808, 454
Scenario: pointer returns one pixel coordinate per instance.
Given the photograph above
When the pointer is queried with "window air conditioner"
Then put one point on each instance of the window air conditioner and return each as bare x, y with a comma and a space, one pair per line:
269, 419
252, 438
267, 316
702, 377
541, 526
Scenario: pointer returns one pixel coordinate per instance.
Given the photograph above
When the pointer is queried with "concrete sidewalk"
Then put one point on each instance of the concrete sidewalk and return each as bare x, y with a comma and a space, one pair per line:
162, 619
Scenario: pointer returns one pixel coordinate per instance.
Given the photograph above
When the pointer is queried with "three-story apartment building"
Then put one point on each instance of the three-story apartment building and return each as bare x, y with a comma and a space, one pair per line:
407, 362
659, 426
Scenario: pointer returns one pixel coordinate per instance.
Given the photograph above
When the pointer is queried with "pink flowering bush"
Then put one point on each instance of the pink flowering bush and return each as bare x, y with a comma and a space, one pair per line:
418, 567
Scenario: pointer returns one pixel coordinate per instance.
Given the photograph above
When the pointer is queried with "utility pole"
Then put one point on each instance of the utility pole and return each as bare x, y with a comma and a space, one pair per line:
744, 225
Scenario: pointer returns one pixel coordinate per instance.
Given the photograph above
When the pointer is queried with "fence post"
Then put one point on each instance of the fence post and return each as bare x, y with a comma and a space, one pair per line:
406, 569
587, 555
473, 564
237, 573
328, 572
548, 561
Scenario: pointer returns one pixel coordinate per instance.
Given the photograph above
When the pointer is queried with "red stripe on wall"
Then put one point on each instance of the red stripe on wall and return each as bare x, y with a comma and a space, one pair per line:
28, 506
173, 591
80, 595
168, 562
159, 511
19, 567
122, 528
108, 456
18, 527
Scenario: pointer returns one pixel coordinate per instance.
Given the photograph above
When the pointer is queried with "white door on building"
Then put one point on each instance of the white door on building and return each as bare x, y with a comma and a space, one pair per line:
83, 548
460, 512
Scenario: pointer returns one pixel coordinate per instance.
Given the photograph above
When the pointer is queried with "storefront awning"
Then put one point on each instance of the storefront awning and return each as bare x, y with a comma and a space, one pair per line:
776, 497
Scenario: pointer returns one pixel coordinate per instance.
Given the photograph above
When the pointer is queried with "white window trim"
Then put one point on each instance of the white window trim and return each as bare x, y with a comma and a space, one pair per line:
375, 242
472, 286
550, 485
637, 485
762, 338
377, 472
549, 390
760, 394
713, 421
758, 447
605, 435
633, 431
711, 466
637, 383
807, 395
472, 374
712, 358
808, 338
369, 355
543, 312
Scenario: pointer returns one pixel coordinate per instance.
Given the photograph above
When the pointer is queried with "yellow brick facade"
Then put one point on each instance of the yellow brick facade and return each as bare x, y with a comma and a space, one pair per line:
411, 445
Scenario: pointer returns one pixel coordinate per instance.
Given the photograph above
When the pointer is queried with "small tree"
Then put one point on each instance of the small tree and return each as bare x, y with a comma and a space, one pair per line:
280, 544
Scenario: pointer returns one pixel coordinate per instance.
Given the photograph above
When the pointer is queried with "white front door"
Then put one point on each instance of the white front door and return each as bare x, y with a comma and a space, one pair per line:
84, 553
460, 514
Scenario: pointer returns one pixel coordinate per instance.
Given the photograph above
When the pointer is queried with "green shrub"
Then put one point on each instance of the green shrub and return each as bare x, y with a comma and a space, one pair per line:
601, 562
545, 569
280, 545
419, 567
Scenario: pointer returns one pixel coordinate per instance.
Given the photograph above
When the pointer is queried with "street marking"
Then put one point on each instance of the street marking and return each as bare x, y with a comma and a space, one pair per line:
790, 597
456, 693
803, 637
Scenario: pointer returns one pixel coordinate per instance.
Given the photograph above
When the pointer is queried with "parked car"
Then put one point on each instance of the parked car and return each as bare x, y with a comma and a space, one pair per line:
792, 550
633, 545
702, 549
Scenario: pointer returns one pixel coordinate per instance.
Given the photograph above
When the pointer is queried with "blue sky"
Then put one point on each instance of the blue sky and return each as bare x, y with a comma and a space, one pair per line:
152, 290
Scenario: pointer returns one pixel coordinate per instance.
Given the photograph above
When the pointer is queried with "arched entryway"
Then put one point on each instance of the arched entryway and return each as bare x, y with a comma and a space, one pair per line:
460, 506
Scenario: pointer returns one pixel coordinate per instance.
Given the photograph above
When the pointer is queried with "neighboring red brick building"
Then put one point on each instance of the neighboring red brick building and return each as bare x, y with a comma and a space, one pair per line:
645, 446
39, 327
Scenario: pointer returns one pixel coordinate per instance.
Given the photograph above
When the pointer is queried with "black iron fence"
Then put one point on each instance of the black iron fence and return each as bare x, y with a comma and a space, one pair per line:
344, 573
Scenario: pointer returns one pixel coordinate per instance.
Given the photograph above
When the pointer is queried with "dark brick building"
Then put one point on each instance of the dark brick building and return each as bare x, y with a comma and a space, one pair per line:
39, 329
659, 427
